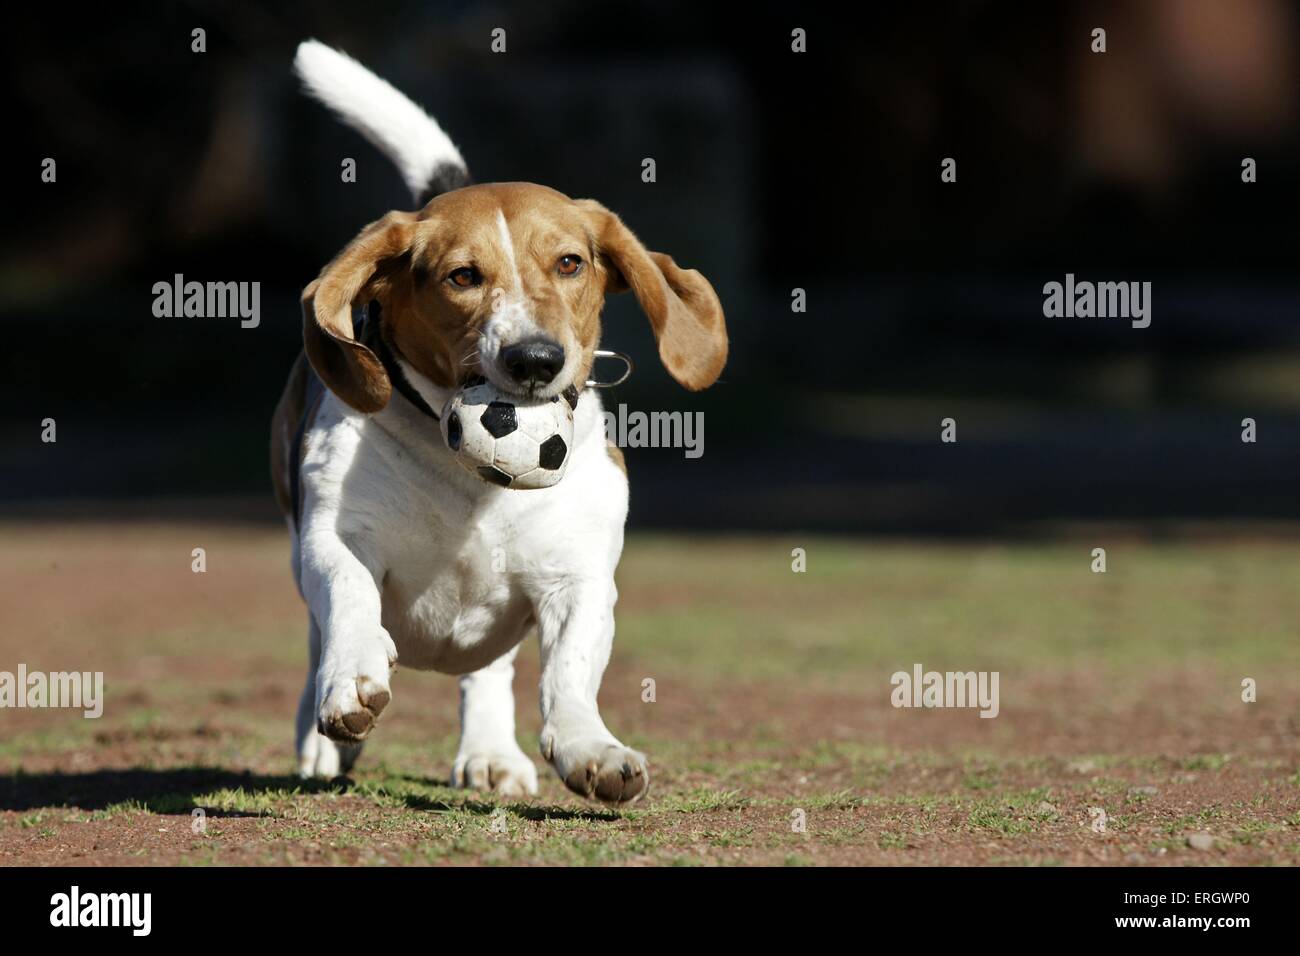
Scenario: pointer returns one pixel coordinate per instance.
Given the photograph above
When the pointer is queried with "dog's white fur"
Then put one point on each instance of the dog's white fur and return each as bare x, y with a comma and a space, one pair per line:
403, 555
406, 134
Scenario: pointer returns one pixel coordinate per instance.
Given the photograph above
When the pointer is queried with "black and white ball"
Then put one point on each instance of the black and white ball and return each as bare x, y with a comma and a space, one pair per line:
508, 442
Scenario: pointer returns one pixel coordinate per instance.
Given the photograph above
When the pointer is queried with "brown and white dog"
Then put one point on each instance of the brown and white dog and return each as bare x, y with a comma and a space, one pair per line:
399, 553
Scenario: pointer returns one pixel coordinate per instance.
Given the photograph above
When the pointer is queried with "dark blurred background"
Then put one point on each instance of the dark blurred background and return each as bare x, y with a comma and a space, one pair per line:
775, 170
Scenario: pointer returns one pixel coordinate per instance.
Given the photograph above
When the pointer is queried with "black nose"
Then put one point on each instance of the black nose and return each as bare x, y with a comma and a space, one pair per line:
532, 363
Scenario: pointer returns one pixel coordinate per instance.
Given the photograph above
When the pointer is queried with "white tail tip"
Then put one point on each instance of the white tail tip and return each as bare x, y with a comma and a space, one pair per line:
406, 134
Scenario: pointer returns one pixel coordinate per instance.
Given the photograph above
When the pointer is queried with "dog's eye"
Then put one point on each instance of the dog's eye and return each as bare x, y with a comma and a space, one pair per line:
465, 277
569, 265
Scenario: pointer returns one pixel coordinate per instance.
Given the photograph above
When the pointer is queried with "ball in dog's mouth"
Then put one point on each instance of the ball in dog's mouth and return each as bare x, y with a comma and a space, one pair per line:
506, 440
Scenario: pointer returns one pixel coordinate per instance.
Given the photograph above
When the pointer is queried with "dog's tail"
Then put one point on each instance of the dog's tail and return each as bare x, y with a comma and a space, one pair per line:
428, 160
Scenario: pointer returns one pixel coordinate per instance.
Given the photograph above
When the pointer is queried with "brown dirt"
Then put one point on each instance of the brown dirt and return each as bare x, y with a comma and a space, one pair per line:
204, 673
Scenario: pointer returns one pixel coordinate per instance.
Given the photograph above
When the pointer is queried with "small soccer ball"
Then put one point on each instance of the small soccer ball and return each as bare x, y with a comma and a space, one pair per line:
508, 442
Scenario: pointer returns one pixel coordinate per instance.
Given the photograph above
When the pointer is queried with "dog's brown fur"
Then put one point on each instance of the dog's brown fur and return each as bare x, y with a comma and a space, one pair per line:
291, 414
404, 260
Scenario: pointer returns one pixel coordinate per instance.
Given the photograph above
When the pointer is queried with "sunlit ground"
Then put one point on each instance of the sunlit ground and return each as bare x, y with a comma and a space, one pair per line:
771, 736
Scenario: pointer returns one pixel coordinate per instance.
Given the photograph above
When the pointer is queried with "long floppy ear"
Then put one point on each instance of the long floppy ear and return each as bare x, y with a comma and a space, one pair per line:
348, 368
682, 307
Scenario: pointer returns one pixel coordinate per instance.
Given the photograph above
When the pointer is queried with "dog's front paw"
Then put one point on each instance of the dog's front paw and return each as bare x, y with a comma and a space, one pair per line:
352, 686
349, 707
509, 774
602, 769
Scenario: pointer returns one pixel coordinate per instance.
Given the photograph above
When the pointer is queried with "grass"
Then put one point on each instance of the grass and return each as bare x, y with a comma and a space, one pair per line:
771, 738
856, 607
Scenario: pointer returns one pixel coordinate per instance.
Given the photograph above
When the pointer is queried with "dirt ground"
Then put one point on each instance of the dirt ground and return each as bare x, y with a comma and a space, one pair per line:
1122, 736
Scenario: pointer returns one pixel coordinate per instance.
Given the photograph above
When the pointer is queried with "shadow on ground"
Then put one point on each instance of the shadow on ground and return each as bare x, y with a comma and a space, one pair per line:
182, 789
160, 791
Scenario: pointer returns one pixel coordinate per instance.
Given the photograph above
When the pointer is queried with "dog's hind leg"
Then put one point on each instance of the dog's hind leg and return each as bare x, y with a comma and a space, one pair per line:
318, 756
489, 757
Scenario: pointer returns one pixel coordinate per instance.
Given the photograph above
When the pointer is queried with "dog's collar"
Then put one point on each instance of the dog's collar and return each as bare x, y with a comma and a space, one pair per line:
609, 353
373, 338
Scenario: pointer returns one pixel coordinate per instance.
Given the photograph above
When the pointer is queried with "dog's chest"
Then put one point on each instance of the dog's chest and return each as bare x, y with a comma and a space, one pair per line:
467, 565
454, 599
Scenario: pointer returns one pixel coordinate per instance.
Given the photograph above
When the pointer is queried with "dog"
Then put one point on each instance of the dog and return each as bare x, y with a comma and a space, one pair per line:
399, 553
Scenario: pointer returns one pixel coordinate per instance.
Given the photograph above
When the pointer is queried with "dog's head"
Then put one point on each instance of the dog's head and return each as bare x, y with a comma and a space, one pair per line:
506, 281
